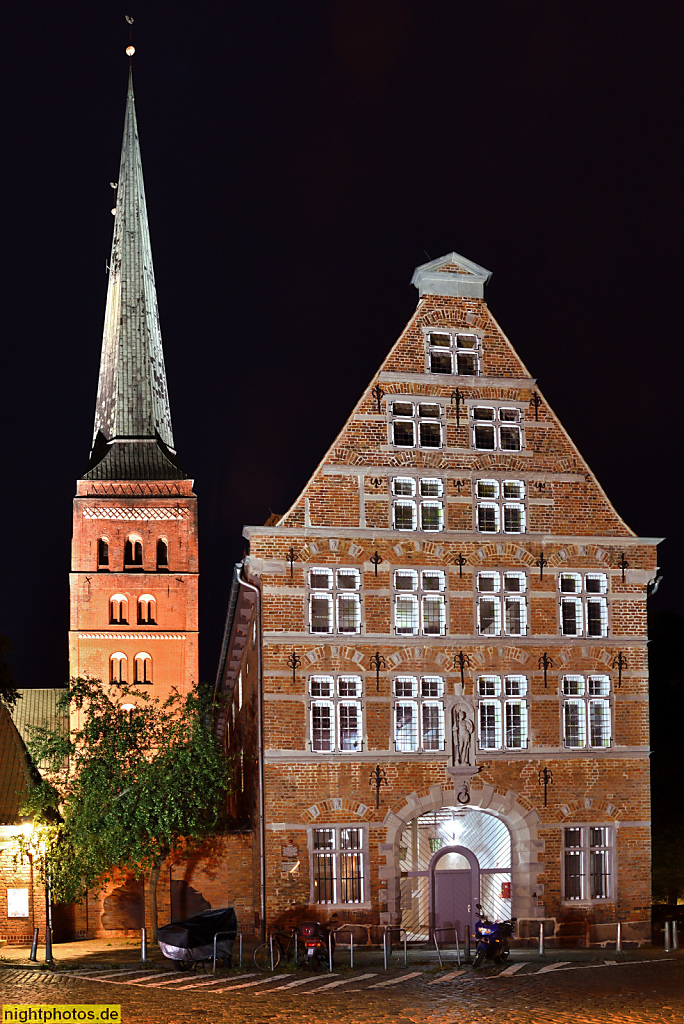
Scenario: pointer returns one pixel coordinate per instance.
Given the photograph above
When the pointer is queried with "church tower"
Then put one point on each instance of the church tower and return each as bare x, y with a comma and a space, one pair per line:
134, 560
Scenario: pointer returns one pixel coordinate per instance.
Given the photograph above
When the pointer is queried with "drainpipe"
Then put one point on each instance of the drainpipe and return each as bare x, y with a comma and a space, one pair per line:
260, 758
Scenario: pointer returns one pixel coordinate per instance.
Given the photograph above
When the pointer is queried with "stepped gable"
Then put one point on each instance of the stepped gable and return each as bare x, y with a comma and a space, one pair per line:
548, 454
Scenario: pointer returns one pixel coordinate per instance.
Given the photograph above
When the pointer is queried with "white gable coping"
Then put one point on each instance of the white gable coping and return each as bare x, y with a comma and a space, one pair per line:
467, 280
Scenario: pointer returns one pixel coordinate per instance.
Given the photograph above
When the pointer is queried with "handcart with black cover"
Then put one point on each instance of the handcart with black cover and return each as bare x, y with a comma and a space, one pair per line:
190, 942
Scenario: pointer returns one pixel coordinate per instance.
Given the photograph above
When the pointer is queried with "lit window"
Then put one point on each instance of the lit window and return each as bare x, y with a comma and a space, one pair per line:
500, 506
502, 712
118, 610
418, 713
419, 602
453, 352
496, 428
586, 711
335, 713
338, 868
415, 505
501, 603
583, 605
588, 862
416, 424
334, 601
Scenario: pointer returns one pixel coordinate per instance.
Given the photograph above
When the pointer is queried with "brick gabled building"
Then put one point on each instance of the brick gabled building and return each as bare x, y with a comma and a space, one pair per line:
453, 604
134, 562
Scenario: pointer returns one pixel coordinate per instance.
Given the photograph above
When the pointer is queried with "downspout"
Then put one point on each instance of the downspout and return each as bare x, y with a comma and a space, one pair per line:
260, 761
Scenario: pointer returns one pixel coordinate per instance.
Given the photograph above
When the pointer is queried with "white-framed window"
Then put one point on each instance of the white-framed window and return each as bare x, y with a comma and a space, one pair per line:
588, 862
143, 668
118, 610
586, 711
418, 713
147, 610
500, 506
419, 602
417, 424
583, 603
453, 352
334, 600
335, 711
118, 665
502, 712
417, 504
496, 428
501, 603
339, 864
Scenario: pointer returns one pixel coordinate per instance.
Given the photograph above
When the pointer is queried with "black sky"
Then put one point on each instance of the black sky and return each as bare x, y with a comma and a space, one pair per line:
300, 159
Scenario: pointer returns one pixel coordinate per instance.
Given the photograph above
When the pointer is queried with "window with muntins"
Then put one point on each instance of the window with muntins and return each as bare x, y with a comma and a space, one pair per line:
588, 862
501, 603
455, 352
418, 713
334, 600
335, 713
419, 602
496, 428
337, 864
583, 604
418, 504
500, 506
417, 424
502, 712
586, 711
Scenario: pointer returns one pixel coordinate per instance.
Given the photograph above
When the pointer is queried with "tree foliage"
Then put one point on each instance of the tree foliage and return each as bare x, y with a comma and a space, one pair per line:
138, 778
9, 695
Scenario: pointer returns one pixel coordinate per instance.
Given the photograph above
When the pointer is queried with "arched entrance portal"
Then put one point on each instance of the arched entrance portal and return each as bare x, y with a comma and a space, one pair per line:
450, 860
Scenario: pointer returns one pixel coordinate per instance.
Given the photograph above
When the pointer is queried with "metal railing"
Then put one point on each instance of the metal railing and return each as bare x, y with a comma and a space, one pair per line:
458, 945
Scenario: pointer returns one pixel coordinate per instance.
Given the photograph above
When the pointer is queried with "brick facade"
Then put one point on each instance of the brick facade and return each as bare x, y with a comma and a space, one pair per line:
479, 547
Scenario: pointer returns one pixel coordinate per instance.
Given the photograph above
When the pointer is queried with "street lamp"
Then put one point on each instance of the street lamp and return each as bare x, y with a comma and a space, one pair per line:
32, 842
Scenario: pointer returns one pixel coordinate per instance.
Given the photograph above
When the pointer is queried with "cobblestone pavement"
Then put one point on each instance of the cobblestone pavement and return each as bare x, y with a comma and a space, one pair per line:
527, 992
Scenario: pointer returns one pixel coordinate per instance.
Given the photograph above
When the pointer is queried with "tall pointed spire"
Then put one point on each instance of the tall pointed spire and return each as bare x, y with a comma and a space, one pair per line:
133, 435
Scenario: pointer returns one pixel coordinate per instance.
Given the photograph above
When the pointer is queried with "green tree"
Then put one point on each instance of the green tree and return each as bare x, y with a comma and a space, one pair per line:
137, 780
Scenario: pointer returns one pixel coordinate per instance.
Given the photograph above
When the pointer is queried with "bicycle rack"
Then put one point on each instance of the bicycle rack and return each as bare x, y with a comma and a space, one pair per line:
393, 928
458, 945
351, 944
235, 935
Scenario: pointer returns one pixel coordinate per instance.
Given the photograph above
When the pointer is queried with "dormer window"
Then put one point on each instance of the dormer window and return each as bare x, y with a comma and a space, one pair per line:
454, 352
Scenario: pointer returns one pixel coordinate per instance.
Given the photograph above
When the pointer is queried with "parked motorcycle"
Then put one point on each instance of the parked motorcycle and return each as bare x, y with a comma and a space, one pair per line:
315, 937
492, 939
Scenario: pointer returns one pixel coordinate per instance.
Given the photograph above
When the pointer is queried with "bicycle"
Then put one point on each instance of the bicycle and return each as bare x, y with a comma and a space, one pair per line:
284, 949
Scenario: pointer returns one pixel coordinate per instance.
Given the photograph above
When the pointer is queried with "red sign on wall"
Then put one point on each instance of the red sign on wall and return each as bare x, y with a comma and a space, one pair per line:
505, 890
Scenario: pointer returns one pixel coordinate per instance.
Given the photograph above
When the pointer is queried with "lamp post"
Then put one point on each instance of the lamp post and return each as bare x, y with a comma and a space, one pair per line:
31, 842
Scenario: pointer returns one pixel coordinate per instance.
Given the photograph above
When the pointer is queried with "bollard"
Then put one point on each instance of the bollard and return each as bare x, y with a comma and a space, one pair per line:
296, 938
406, 952
667, 942
34, 947
618, 938
541, 938
48, 947
330, 956
467, 942
270, 941
675, 936
384, 948
351, 949
240, 949
143, 948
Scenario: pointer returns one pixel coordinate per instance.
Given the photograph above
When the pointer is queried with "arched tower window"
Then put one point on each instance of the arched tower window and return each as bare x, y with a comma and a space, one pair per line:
147, 610
133, 554
118, 609
117, 668
103, 554
162, 554
143, 668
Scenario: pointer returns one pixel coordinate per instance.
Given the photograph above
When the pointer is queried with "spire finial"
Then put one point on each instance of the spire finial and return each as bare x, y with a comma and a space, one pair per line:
130, 49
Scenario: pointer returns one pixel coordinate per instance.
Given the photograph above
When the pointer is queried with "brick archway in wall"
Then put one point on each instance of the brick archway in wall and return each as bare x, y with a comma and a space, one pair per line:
521, 821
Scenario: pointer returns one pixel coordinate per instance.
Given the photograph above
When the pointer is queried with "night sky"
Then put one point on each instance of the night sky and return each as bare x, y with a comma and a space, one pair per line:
300, 159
